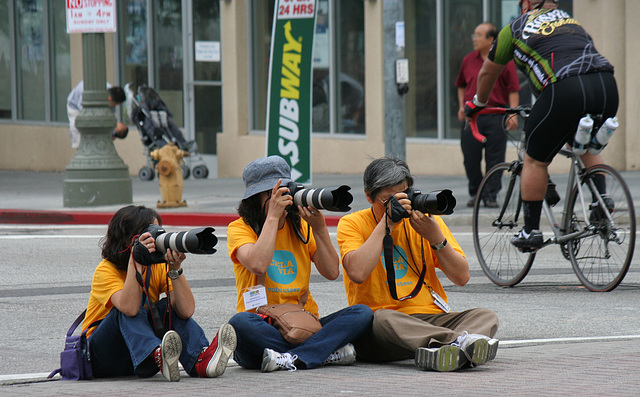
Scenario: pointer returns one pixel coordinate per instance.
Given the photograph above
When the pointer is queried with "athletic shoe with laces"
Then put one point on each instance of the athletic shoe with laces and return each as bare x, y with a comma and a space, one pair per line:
272, 361
442, 359
343, 356
478, 348
528, 242
213, 360
168, 354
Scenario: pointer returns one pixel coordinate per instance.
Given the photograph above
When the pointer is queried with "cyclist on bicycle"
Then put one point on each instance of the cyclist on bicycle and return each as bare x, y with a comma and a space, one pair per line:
569, 78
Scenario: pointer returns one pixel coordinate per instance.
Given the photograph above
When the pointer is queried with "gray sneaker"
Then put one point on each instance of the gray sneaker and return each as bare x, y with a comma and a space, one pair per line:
170, 349
343, 356
442, 359
478, 348
272, 361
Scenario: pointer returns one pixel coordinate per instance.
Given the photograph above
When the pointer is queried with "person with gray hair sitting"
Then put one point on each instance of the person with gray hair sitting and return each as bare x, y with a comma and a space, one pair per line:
272, 246
412, 318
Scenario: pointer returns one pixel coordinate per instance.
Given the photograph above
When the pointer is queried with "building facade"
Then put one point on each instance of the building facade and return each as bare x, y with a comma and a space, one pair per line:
209, 61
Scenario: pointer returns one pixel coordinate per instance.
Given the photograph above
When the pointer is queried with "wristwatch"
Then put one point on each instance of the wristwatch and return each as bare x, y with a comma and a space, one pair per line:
174, 274
436, 247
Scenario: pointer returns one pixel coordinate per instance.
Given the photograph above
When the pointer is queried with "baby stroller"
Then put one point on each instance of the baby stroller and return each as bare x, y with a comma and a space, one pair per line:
153, 119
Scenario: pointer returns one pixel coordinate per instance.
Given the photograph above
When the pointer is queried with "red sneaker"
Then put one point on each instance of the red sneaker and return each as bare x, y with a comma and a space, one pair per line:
213, 360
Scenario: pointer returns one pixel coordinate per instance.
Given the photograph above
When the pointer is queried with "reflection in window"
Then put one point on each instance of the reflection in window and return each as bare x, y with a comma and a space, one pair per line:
460, 20
30, 55
168, 53
5, 62
350, 66
422, 98
133, 24
60, 63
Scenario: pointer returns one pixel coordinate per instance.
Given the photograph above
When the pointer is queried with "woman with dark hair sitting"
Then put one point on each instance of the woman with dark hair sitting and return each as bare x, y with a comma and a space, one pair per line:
272, 246
125, 342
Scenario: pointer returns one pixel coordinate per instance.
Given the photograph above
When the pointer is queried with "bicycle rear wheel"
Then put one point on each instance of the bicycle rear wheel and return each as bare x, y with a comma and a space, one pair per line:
602, 257
493, 228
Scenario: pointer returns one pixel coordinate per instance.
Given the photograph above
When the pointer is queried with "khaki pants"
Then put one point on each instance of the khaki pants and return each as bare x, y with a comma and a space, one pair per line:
396, 336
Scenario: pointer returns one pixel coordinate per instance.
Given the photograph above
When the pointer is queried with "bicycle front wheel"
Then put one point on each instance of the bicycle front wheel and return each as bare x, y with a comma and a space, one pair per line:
602, 256
493, 228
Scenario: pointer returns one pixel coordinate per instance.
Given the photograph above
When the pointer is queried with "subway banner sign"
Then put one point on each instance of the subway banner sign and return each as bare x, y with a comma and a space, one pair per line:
290, 86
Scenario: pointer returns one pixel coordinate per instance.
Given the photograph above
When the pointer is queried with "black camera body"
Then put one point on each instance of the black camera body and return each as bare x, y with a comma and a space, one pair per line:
436, 202
334, 198
195, 241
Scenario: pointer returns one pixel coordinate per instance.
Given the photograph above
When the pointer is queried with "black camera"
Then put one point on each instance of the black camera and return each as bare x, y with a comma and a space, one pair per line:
437, 202
335, 198
195, 241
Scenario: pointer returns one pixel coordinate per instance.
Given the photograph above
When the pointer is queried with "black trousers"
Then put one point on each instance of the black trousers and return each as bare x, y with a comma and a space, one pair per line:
492, 127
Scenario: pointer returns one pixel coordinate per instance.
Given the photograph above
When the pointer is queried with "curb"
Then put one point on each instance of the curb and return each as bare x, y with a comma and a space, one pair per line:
102, 218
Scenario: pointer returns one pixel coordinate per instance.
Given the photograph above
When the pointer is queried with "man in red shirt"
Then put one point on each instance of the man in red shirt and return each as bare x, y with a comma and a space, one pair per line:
505, 93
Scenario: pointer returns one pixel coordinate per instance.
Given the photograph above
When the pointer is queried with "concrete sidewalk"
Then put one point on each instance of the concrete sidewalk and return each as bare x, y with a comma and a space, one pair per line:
28, 197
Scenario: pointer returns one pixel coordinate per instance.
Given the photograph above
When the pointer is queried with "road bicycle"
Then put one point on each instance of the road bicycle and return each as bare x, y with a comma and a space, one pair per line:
596, 232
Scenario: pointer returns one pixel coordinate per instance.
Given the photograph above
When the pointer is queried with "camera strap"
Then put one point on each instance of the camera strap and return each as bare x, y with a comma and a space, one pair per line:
387, 245
156, 321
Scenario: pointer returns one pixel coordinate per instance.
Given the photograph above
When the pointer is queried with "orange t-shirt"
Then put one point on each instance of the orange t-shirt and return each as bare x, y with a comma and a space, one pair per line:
354, 229
287, 278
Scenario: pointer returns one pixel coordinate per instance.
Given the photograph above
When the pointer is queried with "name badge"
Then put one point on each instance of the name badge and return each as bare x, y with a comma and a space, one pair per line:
437, 299
254, 297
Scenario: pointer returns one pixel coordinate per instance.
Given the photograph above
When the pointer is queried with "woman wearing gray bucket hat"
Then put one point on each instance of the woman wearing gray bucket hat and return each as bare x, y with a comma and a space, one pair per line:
272, 246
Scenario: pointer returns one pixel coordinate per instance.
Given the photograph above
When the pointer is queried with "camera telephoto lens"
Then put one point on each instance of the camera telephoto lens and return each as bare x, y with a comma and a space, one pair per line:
437, 202
334, 198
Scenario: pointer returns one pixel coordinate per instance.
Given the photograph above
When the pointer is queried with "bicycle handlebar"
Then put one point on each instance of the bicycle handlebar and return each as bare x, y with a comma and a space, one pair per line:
473, 121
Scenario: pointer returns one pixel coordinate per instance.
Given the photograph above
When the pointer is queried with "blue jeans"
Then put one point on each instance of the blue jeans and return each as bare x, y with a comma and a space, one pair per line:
338, 329
123, 345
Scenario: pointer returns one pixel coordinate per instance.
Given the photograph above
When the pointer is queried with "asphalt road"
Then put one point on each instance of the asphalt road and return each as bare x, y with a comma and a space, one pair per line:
46, 274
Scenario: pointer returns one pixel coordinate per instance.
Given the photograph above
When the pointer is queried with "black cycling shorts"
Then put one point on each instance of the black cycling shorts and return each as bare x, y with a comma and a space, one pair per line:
557, 111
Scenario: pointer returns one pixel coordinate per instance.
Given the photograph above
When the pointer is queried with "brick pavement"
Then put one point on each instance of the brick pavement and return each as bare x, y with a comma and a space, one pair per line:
591, 368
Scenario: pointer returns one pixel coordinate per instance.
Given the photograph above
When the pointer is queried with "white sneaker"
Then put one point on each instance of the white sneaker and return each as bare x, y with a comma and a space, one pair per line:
478, 348
343, 356
272, 361
442, 359
170, 349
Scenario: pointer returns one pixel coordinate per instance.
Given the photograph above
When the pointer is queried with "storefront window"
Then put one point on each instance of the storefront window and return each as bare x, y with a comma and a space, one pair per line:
421, 50
338, 65
168, 53
30, 57
5, 61
350, 66
133, 42
60, 63
460, 20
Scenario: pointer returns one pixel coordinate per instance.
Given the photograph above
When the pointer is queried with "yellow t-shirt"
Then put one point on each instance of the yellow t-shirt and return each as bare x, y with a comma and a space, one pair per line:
287, 278
354, 229
107, 280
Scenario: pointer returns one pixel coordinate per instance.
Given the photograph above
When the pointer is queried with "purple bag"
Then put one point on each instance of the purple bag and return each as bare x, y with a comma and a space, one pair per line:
75, 363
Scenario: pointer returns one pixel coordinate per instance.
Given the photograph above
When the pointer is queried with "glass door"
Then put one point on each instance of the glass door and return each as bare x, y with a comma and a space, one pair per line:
204, 78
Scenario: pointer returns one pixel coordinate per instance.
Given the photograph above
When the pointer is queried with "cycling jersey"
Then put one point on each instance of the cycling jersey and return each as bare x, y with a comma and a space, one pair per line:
548, 45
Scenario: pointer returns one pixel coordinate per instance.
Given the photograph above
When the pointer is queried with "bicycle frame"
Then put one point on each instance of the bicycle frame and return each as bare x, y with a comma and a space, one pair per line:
560, 236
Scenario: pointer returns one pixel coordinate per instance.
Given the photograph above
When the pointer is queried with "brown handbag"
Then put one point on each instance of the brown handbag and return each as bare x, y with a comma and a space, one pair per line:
294, 323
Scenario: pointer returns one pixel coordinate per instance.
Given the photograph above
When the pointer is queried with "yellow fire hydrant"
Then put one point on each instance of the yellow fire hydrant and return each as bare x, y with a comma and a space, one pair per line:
170, 175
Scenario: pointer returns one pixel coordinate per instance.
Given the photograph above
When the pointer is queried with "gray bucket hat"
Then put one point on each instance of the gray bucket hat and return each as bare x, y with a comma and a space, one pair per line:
262, 174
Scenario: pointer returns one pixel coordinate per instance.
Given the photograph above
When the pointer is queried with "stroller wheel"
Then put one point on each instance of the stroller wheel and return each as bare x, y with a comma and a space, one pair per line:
146, 174
186, 172
200, 171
